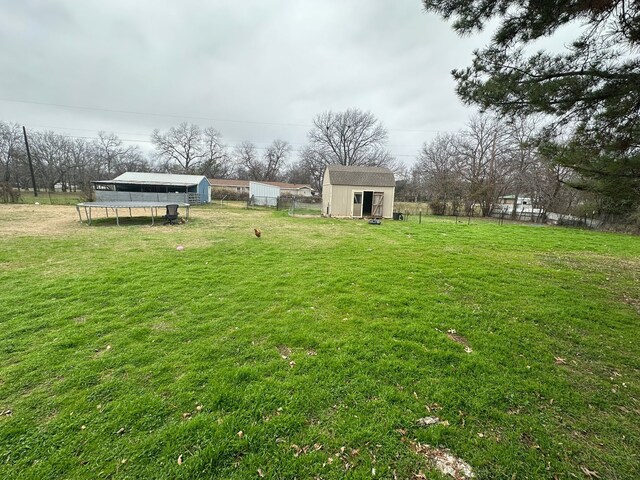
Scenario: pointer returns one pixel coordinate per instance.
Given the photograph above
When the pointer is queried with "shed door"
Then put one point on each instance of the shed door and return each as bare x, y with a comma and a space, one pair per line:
357, 204
378, 199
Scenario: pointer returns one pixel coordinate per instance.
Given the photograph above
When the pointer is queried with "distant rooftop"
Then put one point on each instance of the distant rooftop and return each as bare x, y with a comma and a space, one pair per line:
228, 182
144, 178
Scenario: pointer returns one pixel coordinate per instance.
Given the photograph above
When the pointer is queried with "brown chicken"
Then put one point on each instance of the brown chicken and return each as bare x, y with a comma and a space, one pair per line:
257, 232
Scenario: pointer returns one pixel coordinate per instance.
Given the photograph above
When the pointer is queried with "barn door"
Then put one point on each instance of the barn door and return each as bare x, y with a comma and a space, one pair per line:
378, 199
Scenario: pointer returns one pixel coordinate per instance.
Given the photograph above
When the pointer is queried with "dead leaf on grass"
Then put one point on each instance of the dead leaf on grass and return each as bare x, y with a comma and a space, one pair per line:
180, 460
560, 360
429, 421
589, 473
260, 474
284, 351
292, 364
444, 461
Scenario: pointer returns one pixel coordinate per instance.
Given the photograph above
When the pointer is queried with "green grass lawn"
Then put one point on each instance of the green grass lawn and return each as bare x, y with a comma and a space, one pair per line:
312, 351
52, 198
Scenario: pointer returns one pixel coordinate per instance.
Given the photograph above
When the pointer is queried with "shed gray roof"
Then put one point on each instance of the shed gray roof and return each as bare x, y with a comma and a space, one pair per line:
143, 178
360, 176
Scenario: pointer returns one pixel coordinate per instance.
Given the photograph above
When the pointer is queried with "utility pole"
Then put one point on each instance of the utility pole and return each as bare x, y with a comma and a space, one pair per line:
33, 176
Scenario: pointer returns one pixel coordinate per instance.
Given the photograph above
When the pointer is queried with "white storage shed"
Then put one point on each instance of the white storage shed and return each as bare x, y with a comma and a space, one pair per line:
263, 194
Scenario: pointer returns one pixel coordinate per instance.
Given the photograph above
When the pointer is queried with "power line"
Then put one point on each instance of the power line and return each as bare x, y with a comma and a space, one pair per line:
230, 146
31, 125
180, 116
154, 114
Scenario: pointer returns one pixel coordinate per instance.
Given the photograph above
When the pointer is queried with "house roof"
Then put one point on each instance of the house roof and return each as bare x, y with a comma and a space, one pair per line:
291, 186
143, 178
227, 182
360, 176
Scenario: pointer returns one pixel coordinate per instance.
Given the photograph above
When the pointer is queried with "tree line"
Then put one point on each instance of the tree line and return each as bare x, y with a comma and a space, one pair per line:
468, 171
587, 92
351, 137
458, 173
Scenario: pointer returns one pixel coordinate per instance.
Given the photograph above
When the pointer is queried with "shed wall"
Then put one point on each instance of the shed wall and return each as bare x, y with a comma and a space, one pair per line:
339, 199
264, 194
112, 196
204, 190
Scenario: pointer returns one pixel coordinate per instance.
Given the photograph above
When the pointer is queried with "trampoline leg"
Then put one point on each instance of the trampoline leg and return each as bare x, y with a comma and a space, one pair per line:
106, 210
152, 219
117, 218
79, 214
130, 213
90, 216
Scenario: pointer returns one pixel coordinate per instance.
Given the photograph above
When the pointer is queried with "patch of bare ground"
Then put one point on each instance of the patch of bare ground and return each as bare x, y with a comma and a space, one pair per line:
284, 351
46, 220
456, 337
633, 301
444, 461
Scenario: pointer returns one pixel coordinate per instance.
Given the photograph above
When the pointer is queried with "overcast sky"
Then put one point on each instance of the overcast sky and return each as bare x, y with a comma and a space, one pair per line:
255, 70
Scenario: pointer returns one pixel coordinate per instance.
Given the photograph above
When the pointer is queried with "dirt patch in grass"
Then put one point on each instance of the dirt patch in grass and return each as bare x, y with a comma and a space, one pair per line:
444, 461
457, 338
629, 300
18, 220
284, 351
163, 327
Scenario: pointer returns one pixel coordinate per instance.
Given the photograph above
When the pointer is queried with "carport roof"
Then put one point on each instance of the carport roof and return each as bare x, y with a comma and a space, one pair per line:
360, 176
144, 178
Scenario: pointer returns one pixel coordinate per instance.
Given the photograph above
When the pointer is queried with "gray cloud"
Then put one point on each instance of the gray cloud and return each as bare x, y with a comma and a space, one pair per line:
278, 62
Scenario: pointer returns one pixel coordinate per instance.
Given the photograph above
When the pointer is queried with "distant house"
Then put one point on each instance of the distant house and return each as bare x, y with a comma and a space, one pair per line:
506, 204
154, 187
358, 192
294, 189
242, 186
229, 185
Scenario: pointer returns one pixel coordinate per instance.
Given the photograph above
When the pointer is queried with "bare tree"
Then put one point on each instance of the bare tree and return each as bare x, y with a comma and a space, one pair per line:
483, 151
313, 163
110, 151
181, 145
248, 163
440, 169
352, 137
10, 147
51, 154
275, 157
216, 162
523, 163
